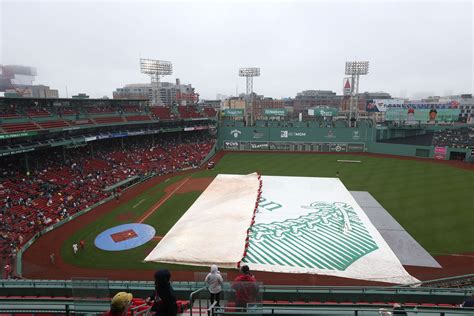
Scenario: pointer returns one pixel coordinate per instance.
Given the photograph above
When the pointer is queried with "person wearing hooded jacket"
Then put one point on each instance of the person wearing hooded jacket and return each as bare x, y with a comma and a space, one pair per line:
214, 283
164, 298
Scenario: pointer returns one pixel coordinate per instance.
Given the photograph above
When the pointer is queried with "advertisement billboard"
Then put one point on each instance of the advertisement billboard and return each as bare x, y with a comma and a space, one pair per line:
234, 112
422, 115
440, 153
383, 105
275, 112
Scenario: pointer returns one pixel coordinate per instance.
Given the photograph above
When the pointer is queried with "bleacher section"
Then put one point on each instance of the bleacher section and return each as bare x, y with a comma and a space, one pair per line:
100, 110
455, 138
35, 112
133, 118
188, 112
130, 109
19, 127
108, 119
210, 112
53, 124
161, 112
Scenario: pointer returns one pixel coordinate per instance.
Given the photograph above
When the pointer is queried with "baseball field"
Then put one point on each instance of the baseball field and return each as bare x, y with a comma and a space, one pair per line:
432, 201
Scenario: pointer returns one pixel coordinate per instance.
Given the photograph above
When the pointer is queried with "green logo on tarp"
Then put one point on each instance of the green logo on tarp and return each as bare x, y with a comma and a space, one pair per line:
330, 237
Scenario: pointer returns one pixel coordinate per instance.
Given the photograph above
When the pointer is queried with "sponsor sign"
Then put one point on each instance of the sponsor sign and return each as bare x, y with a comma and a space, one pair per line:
330, 134
440, 153
234, 112
286, 134
259, 146
231, 145
382, 105
236, 133
90, 139
355, 147
14, 152
322, 111
275, 112
188, 129
334, 147
257, 134
119, 135
136, 133
15, 135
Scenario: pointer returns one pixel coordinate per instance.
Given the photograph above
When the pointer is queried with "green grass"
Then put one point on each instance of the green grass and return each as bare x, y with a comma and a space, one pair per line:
433, 202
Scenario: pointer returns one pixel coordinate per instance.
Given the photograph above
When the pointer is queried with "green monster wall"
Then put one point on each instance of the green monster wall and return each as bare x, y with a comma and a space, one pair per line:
319, 139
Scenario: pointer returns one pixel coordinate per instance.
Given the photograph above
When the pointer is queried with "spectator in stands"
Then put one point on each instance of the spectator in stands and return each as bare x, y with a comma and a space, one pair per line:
245, 287
120, 304
469, 302
164, 299
214, 283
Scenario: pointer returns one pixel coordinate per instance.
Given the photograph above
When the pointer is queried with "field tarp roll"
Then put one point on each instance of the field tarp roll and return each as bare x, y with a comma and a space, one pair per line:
214, 229
314, 225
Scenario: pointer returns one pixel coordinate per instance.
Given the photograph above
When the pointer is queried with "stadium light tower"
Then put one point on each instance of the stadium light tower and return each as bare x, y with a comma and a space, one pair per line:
156, 69
355, 69
249, 73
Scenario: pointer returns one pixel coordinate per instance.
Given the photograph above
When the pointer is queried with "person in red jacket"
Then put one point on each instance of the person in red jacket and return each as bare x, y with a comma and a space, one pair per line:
245, 286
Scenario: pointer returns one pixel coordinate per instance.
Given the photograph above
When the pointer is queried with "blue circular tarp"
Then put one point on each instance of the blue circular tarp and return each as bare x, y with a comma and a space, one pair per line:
123, 237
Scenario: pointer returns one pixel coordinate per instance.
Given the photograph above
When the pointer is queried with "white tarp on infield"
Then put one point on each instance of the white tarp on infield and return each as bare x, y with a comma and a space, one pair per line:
214, 229
303, 225
314, 225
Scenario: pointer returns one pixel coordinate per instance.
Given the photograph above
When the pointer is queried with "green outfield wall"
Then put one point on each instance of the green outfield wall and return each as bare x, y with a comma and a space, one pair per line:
320, 139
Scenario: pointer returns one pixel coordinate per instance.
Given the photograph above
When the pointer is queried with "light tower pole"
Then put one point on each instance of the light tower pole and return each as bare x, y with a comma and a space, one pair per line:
155, 69
249, 73
355, 69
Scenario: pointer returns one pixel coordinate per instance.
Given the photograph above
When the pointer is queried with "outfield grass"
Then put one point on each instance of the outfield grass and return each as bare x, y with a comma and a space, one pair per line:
433, 202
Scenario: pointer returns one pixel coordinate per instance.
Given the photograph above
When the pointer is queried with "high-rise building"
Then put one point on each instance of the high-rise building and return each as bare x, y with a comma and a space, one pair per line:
170, 93
17, 81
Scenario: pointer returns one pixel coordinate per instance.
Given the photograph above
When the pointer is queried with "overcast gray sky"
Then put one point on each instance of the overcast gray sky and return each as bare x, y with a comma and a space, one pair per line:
415, 48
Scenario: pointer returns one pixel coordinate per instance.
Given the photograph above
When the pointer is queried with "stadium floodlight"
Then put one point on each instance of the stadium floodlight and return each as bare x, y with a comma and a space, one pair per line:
156, 69
249, 73
355, 69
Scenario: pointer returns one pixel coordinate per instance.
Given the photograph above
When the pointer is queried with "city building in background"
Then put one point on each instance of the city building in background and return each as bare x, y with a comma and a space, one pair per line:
17, 81
80, 96
312, 98
259, 105
234, 103
216, 104
171, 94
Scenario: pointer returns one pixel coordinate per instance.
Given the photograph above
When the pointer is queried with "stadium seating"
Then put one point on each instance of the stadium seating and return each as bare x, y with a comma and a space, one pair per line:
35, 112
137, 118
57, 188
53, 124
130, 109
9, 113
455, 138
188, 112
210, 112
108, 119
100, 110
161, 112
19, 127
